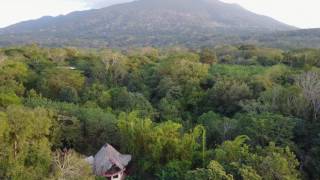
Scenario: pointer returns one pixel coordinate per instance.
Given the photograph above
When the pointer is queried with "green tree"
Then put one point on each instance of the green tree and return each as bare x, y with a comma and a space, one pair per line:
218, 128
68, 94
155, 145
7, 99
170, 109
278, 163
269, 163
59, 82
12, 76
126, 101
266, 127
27, 153
226, 95
174, 170
208, 56
214, 171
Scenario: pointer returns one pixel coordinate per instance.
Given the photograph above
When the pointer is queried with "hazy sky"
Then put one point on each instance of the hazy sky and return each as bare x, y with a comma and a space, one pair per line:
300, 13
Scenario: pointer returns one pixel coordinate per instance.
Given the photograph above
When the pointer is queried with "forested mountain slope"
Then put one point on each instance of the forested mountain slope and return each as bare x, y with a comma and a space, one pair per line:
308, 38
145, 22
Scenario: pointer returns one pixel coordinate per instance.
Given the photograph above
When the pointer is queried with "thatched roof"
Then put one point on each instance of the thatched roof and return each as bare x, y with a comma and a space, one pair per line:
108, 157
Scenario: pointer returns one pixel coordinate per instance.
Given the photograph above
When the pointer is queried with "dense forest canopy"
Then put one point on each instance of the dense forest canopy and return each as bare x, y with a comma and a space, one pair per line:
226, 112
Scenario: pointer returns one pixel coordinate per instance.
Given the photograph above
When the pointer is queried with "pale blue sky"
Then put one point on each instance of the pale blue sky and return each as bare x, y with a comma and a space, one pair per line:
299, 13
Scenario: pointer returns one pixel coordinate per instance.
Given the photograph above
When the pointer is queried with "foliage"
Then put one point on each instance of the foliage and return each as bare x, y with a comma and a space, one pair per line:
174, 170
25, 151
214, 172
60, 83
269, 163
218, 128
264, 128
157, 144
85, 129
225, 96
225, 112
7, 99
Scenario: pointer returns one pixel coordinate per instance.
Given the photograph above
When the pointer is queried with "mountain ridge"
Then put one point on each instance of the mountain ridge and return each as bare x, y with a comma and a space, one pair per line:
143, 22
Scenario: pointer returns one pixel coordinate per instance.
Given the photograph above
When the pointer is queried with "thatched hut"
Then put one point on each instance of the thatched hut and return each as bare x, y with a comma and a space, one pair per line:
109, 163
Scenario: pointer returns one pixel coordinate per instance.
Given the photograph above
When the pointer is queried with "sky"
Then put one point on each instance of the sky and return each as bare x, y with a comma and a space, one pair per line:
299, 13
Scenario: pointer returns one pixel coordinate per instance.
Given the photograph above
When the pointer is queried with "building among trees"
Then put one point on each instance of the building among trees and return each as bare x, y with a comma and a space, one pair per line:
109, 163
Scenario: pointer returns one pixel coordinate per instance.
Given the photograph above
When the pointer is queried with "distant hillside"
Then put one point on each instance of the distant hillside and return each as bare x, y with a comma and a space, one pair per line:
308, 38
145, 22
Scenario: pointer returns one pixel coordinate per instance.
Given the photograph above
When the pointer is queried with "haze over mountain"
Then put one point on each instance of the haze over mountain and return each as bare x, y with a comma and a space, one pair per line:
145, 22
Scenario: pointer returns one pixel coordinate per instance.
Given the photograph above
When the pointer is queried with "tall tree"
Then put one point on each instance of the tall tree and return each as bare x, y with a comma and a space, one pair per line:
26, 153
